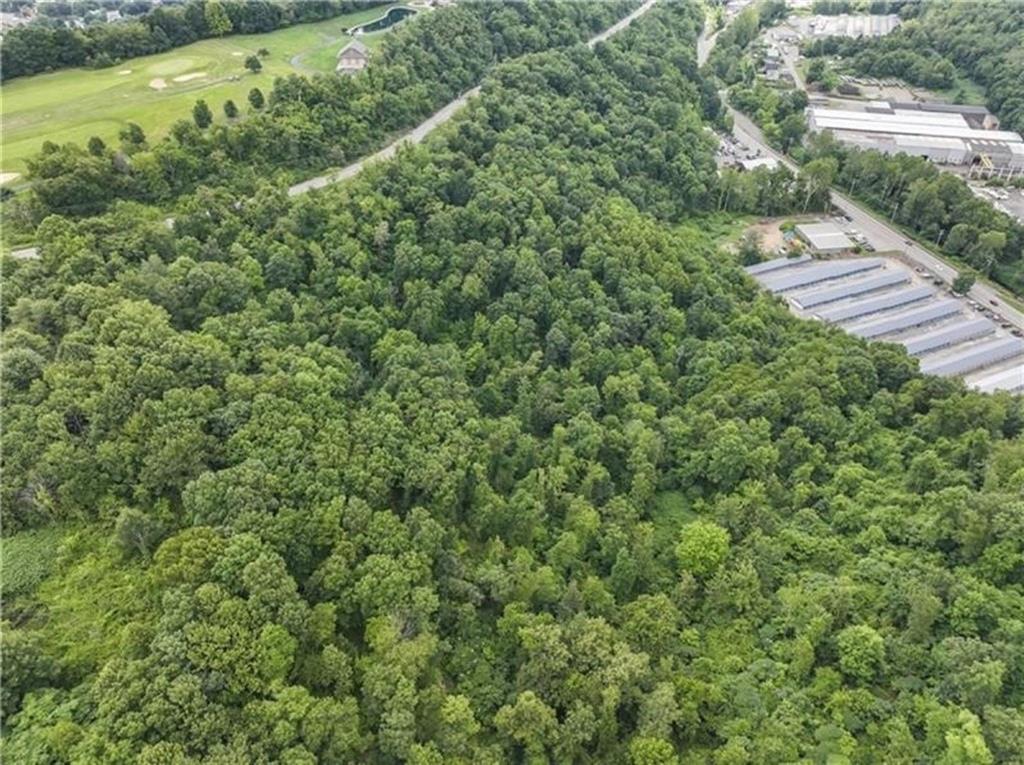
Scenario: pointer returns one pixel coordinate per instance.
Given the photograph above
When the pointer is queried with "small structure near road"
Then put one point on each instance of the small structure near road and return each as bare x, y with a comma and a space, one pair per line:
825, 238
353, 58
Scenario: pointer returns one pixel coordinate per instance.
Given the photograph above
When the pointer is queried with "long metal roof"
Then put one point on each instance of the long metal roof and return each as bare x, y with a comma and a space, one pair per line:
947, 336
1008, 379
921, 315
832, 294
882, 303
775, 265
820, 272
979, 356
920, 124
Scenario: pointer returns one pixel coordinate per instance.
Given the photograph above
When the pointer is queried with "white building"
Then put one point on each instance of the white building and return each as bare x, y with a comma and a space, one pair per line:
826, 238
844, 25
943, 137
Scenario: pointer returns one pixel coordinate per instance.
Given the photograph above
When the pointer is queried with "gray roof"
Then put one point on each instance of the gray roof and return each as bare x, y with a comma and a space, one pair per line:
825, 236
355, 46
979, 356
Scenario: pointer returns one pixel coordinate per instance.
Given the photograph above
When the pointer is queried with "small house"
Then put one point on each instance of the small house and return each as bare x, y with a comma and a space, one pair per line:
353, 58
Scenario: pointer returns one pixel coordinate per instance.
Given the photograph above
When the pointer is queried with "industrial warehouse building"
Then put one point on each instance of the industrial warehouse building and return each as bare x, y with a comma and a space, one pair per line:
942, 136
844, 25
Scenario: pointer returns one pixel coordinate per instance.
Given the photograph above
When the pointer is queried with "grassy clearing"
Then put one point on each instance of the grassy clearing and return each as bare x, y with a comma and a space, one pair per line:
28, 557
964, 91
75, 104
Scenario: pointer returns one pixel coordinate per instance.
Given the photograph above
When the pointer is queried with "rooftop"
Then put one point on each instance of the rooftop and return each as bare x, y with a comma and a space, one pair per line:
932, 124
354, 46
824, 236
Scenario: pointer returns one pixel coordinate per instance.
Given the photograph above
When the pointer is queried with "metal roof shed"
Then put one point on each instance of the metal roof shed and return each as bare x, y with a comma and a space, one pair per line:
824, 237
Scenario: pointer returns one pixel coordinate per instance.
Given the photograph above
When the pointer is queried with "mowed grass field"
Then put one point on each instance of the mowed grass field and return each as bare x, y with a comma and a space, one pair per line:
75, 104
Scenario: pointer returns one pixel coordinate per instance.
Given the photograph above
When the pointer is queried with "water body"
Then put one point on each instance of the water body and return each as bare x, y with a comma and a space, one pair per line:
389, 19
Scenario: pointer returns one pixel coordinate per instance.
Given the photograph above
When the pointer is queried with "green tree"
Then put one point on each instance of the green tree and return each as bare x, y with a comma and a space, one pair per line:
528, 722
703, 548
256, 99
132, 136
651, 751
202, 115
817, 177
217, 20
861, 652
963, 282
96, 146
253, 64
230, 110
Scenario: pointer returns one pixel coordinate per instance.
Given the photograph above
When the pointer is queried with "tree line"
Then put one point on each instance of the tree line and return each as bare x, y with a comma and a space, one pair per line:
491, 455
35, 48
310, 124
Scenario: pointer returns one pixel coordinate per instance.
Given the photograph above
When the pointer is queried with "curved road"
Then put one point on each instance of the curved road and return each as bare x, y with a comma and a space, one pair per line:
414, 136
421, 131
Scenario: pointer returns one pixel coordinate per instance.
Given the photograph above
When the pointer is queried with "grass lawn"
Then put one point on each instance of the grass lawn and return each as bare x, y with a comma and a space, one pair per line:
75, 104
964, 91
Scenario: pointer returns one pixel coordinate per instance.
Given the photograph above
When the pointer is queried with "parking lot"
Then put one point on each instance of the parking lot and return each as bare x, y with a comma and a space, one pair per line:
882, 299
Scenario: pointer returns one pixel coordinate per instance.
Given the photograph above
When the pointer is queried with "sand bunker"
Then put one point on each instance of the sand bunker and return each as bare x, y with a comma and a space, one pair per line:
8, 177
125, 71
187, 77
237, 53
157, 84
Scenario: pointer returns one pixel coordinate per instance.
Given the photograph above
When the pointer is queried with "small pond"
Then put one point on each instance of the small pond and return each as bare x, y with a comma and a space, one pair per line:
389, 19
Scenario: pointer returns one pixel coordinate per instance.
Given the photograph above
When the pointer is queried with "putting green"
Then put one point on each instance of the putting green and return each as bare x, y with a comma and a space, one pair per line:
155, 91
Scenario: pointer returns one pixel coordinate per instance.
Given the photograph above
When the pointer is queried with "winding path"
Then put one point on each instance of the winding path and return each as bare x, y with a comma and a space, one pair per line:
421, 131
414, 136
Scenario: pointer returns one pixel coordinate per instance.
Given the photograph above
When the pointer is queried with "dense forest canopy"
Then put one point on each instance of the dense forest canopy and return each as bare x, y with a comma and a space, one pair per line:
44, 48
491, 456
